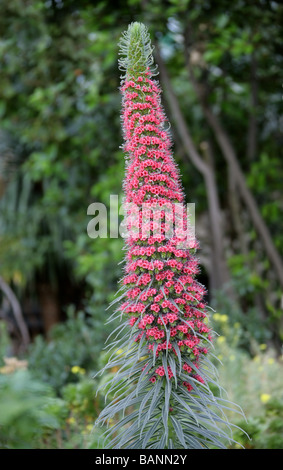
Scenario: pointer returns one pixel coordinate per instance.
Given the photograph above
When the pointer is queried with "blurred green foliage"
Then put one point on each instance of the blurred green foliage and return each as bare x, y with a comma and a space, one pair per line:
55, 99
22, 416
61, 135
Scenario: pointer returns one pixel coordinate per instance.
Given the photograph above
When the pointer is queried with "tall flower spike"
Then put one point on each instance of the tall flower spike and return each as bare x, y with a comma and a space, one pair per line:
161, 395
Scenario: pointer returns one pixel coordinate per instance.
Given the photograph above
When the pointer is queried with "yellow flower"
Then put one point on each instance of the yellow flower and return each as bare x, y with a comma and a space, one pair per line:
219, 317
223, 318
262, 347
265, 397
270, 360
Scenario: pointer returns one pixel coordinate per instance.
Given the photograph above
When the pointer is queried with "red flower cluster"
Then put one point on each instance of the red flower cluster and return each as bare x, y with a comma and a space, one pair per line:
163, 297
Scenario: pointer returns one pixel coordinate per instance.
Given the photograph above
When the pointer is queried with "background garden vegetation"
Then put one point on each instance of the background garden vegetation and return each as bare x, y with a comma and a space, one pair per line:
60, 140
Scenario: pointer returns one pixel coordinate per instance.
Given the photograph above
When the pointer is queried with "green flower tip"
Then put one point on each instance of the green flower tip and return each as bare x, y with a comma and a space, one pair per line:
135, 50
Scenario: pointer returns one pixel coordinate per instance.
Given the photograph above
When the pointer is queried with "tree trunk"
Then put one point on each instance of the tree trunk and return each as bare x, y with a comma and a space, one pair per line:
220, 274
231, 158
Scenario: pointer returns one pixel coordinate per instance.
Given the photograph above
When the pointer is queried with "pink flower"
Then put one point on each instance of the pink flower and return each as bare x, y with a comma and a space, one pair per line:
155, 307
159, 275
